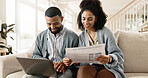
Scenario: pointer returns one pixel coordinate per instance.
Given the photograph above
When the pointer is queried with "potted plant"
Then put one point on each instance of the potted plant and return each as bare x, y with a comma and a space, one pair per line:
3, 38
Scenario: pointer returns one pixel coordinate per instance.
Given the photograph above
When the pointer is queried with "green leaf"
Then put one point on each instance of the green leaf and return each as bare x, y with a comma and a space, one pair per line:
12, 38
3, 36
4, 26
11, 29
6, 30
11, 25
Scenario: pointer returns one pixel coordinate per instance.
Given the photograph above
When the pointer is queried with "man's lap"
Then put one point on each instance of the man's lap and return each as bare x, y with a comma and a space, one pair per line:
67, 74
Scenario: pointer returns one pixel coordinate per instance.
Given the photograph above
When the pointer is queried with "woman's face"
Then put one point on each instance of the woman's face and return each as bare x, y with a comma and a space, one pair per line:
88, 20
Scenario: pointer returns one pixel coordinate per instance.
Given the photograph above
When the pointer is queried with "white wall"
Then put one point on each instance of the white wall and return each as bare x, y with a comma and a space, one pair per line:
75, 26
2, 14
3, 10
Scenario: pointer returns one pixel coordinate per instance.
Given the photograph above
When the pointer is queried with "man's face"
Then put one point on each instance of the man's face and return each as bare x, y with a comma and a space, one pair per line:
54, 23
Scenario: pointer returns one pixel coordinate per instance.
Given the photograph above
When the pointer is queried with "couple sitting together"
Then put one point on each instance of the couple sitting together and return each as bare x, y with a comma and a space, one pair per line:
51, 43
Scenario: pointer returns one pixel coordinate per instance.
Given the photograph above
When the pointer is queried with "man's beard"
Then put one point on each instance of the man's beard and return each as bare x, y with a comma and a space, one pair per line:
58, 29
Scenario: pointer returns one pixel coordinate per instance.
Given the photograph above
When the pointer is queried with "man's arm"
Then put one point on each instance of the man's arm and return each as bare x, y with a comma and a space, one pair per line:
60, 67
75, 41
37, 51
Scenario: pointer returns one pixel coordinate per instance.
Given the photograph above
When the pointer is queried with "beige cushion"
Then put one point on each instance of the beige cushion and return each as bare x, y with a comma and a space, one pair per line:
136, 75
134, 46
10, 64
16, 75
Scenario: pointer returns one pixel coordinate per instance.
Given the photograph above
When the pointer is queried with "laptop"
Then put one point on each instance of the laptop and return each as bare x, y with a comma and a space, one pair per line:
40, 67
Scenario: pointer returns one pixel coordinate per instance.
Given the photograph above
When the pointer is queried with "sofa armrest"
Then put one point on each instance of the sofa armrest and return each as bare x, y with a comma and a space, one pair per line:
9, 64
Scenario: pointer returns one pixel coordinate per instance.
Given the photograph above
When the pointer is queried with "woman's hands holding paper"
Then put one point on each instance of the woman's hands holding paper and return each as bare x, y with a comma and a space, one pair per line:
104, 59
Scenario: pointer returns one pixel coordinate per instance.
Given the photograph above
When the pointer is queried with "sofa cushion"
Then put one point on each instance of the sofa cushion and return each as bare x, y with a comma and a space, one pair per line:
9, 64
136, 75
18, 74
134, 46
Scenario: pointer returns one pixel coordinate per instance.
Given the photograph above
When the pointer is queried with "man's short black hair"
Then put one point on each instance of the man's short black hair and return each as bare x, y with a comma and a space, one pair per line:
53, 11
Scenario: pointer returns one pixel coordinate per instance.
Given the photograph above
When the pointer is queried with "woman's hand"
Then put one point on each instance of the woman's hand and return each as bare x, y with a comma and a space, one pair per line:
67, 61
104, 59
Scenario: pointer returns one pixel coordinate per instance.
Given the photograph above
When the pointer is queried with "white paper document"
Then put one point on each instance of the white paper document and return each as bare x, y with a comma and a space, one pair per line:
85, 54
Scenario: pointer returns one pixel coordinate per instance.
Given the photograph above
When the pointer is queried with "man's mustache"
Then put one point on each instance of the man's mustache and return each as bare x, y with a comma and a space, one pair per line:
57, 31
54, 28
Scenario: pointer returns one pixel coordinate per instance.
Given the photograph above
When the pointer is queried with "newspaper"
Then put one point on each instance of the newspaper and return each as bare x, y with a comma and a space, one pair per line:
85, 54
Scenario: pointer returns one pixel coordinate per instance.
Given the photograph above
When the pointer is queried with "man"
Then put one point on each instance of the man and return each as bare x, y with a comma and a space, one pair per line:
51, 43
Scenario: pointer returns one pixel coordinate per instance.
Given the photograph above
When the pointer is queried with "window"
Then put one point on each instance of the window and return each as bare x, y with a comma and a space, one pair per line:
28, 17
10, 15
68, 19
41, 21
27, 26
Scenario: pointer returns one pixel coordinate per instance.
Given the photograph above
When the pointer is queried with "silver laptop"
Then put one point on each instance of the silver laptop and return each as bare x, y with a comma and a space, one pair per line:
40, 67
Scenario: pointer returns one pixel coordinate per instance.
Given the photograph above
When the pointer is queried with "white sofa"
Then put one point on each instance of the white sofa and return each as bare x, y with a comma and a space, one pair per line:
134, 46
9, 66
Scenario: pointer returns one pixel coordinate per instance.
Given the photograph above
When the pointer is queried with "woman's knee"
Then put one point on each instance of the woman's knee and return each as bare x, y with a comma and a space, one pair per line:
87, 68
104, 73
86, 71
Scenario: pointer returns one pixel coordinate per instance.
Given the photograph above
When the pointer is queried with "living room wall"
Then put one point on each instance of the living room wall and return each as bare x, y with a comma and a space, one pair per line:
3, 10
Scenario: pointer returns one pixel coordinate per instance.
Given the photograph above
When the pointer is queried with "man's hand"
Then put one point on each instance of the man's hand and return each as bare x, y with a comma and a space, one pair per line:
67, 61
104, 59
59, 67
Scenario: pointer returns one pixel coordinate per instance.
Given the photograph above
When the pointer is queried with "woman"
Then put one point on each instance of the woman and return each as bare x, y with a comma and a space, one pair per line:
91, 21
